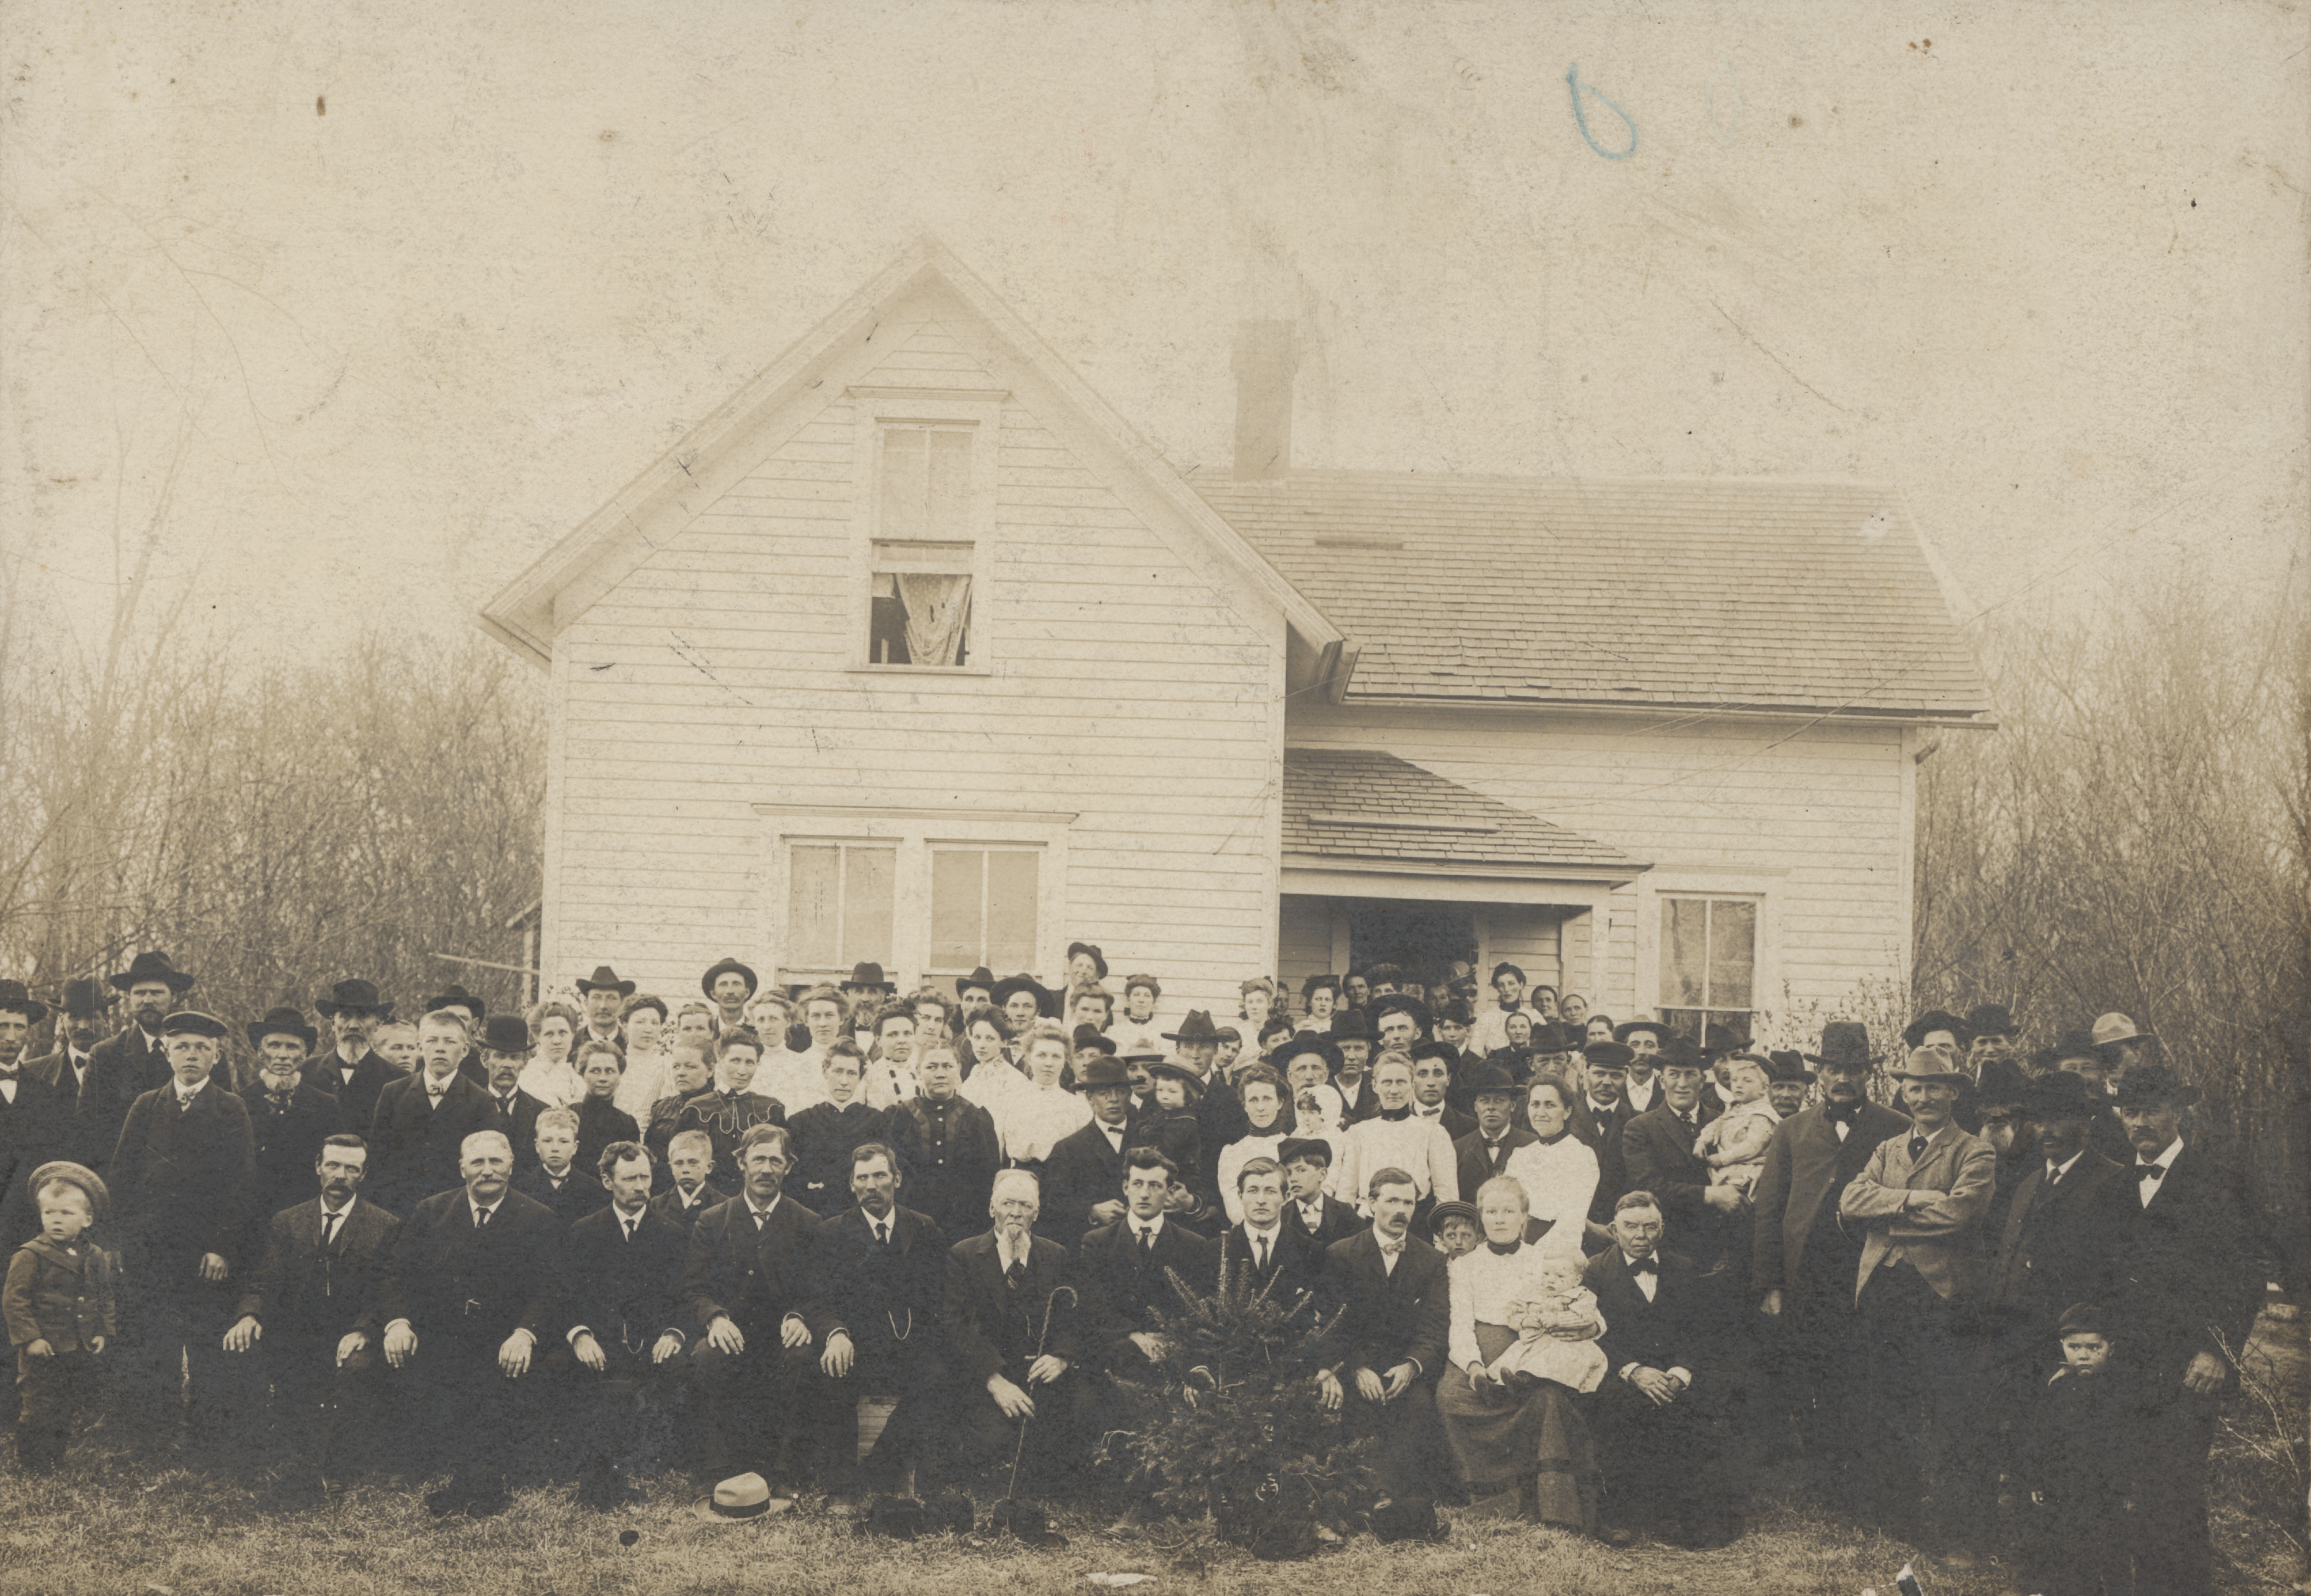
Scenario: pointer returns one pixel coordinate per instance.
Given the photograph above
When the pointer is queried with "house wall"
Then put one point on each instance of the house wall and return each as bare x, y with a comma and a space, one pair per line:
1123, 684
1813, 820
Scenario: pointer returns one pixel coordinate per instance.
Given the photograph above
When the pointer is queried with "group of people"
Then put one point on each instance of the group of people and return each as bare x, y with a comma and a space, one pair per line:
1574, 1270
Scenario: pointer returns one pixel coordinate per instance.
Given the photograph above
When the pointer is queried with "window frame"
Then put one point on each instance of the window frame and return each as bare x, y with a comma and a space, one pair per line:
1652, 961
875, 412
915, 833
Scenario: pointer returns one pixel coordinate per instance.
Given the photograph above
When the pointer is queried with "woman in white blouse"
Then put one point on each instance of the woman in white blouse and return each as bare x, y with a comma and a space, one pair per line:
1522, 1449
1558, 1173
1040, 1110
644, 1080
548, 1076
1261, 1091
993, 1077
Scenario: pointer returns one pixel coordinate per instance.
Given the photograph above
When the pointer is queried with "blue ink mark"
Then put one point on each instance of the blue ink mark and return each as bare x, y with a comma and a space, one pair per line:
1573, 81
1725, 133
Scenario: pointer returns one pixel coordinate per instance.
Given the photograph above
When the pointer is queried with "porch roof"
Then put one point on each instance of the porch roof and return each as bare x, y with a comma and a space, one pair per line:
1360, 804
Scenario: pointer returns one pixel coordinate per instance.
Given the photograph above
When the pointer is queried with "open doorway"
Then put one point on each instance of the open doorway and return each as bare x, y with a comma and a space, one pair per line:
1425, 938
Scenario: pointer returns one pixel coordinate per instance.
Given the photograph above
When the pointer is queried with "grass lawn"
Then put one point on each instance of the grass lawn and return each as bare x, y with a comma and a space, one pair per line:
114, 1528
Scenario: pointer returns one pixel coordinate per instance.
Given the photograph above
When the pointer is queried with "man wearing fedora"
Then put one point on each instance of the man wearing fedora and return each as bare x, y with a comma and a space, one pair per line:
1084, 1174
183, 1175
32, 1116
1919, 1203
2121, 1044
2187, 1277
289, 1119
137, 1055
728, 985
1657, 1156
352, 1071
89, 1104
1804, 1263
505, 1054
603, 994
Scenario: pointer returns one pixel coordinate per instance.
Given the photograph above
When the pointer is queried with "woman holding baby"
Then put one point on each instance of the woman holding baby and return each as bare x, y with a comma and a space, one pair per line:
1521, 1346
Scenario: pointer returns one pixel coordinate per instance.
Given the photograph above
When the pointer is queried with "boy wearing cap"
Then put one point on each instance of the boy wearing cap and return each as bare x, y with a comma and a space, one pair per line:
2078, 1461
58, 1305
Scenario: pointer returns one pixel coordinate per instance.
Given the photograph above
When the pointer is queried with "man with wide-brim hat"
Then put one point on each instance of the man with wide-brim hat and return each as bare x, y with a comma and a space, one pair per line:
1484, 1152
153, 986
1352, 1035
1086, 964
866, 980
1197, 1042
289, 1119
1803, 1263
352, 1071
2186, 1281
602, 994
1787, 1080
89, 1104
1920, 1202
1082, 1185
183, 1178
975, 990
1023, 999
2122, 1044
727, 984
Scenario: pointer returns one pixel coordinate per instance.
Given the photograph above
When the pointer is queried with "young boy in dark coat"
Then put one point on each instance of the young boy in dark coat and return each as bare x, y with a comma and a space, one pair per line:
2079, 1463
58, 1305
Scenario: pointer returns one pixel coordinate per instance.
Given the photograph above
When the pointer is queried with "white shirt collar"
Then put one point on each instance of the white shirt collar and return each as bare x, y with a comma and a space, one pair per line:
185, 1095
342, 1213
1005, 1257
2064, 1168
1254, 1233
766, 1209
1148, 1226
490, 1209
2165, 1160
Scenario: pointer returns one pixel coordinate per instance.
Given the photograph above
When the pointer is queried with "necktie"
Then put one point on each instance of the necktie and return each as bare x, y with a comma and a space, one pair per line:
480, 1218
183, 1104
1260, 1252
329, 1222
882, 1234
2054, 1174
1917, 1147
1147, 1240
1017, 1274
628, 1226
758, 1220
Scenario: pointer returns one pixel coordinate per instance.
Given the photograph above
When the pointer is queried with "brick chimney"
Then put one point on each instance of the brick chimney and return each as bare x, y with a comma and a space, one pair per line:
1266, 359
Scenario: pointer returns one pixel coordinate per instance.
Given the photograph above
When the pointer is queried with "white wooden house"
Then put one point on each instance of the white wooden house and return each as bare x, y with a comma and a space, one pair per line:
914, 652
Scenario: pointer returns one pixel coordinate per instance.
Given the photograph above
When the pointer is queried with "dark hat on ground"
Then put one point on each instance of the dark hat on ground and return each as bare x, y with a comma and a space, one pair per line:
740, 1497
1047, 1003
1398, 1003
283, 1022
92, 1184
1197, 1027
1626, 1028
1350, 1024
1554, 1036
351, 997
606, 980
1931, 1064
983, 978
1846, 1045
16, 998
1294, 1148
153, 966
505, 1033
1608, 1055
1098, 959
1091, 1036
1306, 1042
868, 975
716, 972
2111, 1029
457, 997
1487, 1078
192, 1022
2064, 1096
1180, 1072
1916, 1032
2067, 1044
1788, 1066
1102, 1072
1406, 1518
1026, 1522
2152, 1086
1990, 1019
2083, 1319
1453, 1210
900, 1518
84, 998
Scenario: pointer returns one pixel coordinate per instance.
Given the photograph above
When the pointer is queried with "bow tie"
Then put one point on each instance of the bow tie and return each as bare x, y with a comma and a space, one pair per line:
1503, 1249
1395, 1113
1841, 1114
277, 1099
1644, 1266
1390, 1250
2149, 1172
7, 1075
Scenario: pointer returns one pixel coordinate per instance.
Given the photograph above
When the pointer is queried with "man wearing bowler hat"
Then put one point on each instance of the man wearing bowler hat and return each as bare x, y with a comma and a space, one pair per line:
1919, 1203
352, 1071
1804, 1263
505, 1054
2187, 1277
288, 1118
728, 985
1657, 1156
32, 1117
603, 994
1083, 1178
183, 1175
137, 1054
89, 1104
1484, 1151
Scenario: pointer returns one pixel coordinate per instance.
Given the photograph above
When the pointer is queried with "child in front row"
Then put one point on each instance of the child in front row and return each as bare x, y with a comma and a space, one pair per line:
2078, 1464
58, 1304
1561, 1303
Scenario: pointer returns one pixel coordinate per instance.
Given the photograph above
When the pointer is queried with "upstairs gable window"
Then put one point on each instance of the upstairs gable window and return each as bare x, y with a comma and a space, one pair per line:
922, 561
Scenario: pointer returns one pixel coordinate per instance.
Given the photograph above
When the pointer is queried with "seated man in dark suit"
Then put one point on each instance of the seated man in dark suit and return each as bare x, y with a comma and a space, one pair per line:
557, 1178
690, 1190
732, 1108
1395, 1307
1275, 1255
1011, 1326
308, 1314
469, 1293
422, 1120
622, 1279
1082, 1177
744, 1286
1484, 1151
880, 1271
1662, 1419
505, 1054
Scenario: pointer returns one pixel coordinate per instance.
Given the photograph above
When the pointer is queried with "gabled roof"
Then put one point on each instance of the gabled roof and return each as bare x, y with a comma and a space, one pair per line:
1359, 803
527, 613
1726, 594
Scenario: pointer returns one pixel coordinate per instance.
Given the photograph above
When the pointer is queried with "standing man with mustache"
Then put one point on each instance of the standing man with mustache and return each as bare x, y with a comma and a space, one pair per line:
352, 1071
135, 1056
89, 1104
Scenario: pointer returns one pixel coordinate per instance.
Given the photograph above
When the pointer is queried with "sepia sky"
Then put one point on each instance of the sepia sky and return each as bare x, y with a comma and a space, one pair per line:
357, 307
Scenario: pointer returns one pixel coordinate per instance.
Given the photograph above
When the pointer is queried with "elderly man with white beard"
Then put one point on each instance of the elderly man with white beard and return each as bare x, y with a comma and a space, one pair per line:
1011, 1332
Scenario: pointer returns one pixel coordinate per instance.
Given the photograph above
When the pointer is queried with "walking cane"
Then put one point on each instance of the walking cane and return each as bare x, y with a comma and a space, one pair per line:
1008, 1509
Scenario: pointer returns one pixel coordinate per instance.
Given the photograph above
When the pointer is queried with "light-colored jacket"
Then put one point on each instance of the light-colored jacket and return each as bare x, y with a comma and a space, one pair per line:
1941, 1237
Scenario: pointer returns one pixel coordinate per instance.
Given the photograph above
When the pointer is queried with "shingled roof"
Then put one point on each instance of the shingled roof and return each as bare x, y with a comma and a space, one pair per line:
1729, 594
1351, 803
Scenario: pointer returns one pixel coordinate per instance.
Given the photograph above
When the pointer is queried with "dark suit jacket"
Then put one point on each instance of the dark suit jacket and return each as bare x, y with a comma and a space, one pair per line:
2187, 1269
1297, 1264
182, 1181
948, 1154
1602, 1138
132, 1064
1676, 1330
581, 1193
1475, 1168
1796, 1196
1657, 1156
668, 1204
755, 1278
879, 1296
1387, 1319
88, 1121
626, 1293
2056, 1247
600, 1122
413, 1147
297, 1290
991, 1329
356, 1099
1122, 1287
31, 1130
520, 1124
1341, 1220
1367, 1103
288, 1146
1081, 1171
474, 1287
820, 1139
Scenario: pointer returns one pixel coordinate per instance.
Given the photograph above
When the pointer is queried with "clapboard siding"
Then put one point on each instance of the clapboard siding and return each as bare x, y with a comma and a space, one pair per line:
1114, 681
1522, 936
